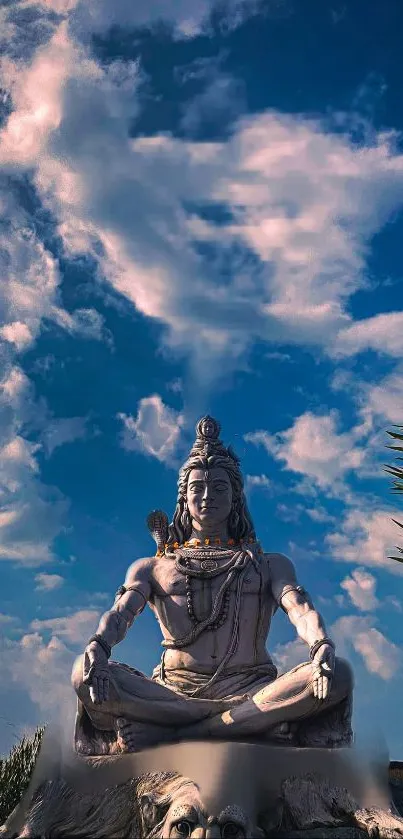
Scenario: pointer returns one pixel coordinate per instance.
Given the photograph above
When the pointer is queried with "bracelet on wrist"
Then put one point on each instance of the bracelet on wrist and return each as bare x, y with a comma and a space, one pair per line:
101, 641
318, 644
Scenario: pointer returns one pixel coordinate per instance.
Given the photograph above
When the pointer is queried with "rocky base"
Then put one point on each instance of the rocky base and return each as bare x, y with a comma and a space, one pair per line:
145, 807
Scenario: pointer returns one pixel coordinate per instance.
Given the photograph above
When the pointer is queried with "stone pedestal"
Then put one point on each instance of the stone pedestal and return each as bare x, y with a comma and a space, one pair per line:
307, 806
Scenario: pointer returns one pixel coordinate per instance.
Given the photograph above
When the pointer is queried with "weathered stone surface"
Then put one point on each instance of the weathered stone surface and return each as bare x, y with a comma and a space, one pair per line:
151, 805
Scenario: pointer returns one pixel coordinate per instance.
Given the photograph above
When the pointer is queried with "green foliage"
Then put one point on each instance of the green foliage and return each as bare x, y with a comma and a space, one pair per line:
15, 772
397, 472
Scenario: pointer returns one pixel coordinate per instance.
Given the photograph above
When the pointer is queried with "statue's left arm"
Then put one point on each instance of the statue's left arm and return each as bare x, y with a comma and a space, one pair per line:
297, 604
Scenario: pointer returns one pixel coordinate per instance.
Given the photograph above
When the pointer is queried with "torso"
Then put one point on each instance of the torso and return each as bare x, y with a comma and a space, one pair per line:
169, 604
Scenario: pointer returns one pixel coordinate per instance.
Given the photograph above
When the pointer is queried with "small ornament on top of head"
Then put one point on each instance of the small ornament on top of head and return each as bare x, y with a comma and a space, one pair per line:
208, 429
207, 440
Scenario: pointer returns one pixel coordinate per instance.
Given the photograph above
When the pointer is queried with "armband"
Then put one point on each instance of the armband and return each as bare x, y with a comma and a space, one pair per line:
297, 588
101, 641
318, 644
123, 589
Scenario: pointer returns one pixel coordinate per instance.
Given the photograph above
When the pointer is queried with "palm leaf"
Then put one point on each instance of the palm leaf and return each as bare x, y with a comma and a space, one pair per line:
15, 772
397, 474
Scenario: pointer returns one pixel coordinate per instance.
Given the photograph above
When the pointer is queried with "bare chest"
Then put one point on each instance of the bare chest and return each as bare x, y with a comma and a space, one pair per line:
170, 583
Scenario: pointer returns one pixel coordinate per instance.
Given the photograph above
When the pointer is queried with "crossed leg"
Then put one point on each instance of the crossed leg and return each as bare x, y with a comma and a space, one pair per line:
140, 711
287, 699
143, 712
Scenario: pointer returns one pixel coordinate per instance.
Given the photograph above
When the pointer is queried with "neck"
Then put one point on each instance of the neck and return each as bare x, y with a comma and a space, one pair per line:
204, 531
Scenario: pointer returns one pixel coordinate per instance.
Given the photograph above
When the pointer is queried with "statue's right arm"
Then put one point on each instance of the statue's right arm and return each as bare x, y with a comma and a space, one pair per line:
129, 603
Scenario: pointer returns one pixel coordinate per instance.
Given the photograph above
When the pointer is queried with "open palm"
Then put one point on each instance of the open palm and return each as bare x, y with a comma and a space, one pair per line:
323, 670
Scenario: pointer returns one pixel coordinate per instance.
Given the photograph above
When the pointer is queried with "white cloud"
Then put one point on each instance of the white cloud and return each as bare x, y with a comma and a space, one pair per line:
41, 671
299, 553
383, 333
376, 403
380, 656
220, 102
279, 356
39, 665
303, 202
384, 400
17, 333
289, 512
30, 512
7, 619
390, 599
30, 275
75, 628
188, 17
155, 431
319, 514
365, 537
360, 588
86, 323
313, 447
64, 430
257, 482
48, 582
286, 656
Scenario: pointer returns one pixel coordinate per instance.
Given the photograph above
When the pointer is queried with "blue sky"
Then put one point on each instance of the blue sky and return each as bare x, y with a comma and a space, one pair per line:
200, 212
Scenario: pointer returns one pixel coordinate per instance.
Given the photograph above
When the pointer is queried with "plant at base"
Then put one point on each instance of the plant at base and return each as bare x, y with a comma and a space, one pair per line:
16, 770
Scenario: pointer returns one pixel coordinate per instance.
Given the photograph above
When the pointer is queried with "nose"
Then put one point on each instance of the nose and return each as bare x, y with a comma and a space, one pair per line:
207, 492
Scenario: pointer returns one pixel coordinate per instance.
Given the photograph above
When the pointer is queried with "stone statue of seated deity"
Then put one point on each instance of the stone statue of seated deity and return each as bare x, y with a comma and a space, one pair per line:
214, 592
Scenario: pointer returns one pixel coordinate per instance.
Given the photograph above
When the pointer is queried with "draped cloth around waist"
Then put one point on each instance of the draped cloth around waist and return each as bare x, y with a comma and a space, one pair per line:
232, 683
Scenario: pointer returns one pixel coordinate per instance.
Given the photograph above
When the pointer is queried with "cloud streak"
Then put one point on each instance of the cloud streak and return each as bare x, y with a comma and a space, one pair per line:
313, 447
155, 431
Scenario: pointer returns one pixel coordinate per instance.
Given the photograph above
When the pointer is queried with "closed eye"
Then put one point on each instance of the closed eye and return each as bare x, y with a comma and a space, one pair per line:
232, 830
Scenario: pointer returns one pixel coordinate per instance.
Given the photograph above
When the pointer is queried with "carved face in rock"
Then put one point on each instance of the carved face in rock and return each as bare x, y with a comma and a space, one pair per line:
187, 818
209, 497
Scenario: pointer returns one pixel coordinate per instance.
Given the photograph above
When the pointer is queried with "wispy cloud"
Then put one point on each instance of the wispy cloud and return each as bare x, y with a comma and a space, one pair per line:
302, 202
154, 431
361, 587
75, 628
381, 332
63, 430
38, 664
286, 656
313, 447
7, 619
31, 512
365, 537
258, 482
381, 657
48, 582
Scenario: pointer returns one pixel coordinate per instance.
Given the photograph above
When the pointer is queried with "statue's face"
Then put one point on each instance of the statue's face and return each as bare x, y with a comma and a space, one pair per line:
209, 496
187, 817
207, 428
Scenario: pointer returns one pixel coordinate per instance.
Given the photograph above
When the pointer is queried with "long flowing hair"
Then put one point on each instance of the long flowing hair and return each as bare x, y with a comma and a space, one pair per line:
240, 525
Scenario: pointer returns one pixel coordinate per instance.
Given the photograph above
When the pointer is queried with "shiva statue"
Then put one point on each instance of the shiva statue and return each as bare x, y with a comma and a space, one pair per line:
214, 592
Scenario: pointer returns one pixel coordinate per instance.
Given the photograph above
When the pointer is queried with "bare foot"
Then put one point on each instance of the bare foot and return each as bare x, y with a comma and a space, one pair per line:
283, 732
137, 736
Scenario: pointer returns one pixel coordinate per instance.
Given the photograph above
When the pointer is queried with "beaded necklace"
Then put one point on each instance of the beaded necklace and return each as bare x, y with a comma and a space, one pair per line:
209, 567
223, 613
